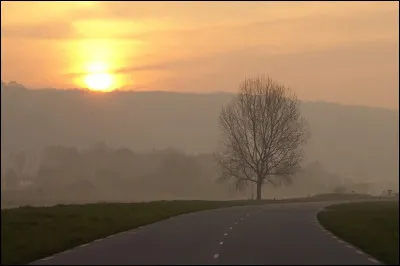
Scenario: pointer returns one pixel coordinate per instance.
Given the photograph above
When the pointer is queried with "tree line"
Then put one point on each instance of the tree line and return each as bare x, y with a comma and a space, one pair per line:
102, 173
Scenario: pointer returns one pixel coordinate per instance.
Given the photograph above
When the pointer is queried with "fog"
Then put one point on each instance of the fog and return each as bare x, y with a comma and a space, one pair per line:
74, 146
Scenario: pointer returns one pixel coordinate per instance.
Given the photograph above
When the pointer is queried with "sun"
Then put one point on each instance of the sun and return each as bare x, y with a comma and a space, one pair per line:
99, 81
98, 78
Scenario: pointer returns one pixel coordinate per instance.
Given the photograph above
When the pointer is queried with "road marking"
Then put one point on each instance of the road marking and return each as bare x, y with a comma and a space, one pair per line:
48, 258
373, 260
98, 240
216, 256
230, 228
221, 243
82, 246
65, 252
225, 234
241, 219
340, 241
359, 252
348, 246
334, 237
236, 222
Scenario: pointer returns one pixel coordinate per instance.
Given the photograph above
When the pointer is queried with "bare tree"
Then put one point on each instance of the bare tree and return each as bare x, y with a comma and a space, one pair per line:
263, 134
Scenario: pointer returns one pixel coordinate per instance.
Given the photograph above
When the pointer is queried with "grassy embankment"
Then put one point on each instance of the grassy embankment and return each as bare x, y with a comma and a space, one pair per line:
371, 226
30, 233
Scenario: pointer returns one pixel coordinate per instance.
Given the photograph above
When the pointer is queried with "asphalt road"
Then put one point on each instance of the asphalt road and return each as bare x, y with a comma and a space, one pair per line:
269, 234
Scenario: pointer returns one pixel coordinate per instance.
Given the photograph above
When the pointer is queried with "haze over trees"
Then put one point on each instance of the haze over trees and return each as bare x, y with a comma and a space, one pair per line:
99, 173
263, 133
351, 146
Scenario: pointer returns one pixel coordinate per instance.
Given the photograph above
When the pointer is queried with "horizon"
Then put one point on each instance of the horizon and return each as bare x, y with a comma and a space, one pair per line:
347, 52
396, 109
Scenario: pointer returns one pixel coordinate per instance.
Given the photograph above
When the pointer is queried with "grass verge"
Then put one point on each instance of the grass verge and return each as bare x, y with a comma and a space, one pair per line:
31, 233
371, 226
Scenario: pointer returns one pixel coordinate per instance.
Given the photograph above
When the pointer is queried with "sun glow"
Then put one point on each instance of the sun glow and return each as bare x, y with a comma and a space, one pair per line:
98, 78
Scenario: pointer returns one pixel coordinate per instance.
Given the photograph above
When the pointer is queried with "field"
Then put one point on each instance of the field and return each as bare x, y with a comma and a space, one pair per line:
30, 233
371, 226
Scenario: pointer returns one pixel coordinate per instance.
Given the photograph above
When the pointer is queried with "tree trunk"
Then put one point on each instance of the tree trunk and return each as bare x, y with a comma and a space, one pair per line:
259, 185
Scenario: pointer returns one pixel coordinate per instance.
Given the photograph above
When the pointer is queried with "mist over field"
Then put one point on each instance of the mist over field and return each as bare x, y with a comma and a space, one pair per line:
73, 146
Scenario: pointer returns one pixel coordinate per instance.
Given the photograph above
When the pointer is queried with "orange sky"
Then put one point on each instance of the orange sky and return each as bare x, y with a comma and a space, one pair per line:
345, 52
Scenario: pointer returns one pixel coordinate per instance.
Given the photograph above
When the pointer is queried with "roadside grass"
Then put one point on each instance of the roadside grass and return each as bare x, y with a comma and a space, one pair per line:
31, 233
371, 226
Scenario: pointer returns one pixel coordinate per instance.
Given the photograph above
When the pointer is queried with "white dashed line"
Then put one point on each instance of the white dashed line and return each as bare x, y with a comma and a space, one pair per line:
221, 243
216, 256
373, 260
82, 246
340, 241
98, 240
241, 219
225, 234
348, 246
48, 258
359, 252
236, 222
230, 228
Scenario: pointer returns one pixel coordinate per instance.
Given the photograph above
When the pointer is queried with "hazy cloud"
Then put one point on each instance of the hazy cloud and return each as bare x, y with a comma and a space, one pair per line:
44, 30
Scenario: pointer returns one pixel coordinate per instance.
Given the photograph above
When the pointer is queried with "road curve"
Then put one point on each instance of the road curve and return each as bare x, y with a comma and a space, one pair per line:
285, 233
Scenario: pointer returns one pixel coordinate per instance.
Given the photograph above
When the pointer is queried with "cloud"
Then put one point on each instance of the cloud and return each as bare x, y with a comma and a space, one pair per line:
308, 28
284, 35
43, 30
304, 28
367, 74
213, 13
169, 65
194, 11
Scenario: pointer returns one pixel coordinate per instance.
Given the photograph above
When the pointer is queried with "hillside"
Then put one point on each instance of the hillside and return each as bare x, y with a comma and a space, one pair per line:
355, 142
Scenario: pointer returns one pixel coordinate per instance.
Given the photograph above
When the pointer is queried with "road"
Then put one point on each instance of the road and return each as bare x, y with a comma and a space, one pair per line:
286, 233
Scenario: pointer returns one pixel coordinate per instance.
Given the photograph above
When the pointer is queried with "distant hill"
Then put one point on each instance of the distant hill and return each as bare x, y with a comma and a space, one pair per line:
356, 142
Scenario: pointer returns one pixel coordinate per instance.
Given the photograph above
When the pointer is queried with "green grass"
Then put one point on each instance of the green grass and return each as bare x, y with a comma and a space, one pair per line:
371, 226
31, 233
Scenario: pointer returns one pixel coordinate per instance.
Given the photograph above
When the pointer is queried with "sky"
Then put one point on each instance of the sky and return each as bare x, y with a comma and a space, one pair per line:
343, 52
